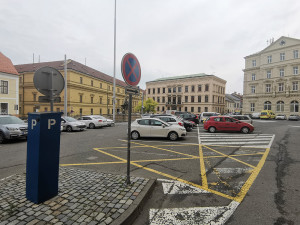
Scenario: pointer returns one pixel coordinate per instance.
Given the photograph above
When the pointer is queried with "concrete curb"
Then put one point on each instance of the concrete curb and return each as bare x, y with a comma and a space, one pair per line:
129, 216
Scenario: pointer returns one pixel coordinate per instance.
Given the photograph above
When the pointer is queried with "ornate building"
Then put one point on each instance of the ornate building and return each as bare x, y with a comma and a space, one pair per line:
271, 78
194, 93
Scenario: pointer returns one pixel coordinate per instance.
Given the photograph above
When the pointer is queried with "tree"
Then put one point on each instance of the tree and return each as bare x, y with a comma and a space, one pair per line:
149, 106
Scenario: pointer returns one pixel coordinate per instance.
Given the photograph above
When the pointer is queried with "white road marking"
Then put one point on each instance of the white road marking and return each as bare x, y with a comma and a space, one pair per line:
293, 126
196, 215
234, 170
176, 187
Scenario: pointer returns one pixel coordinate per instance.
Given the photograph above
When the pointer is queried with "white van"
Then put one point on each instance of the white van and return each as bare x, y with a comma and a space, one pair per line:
206, 115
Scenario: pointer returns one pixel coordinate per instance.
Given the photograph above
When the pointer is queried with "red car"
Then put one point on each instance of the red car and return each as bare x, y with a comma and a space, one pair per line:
226, 123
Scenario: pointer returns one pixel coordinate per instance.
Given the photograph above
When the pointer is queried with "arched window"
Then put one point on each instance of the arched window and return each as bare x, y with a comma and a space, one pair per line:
294, 106
280, 106
267, 105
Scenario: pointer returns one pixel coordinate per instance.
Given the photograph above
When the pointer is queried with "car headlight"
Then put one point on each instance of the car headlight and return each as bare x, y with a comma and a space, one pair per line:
182, 128
12, 128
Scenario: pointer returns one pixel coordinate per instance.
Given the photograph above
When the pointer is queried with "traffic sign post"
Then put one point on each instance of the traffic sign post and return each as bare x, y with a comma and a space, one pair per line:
50, 83
131, 71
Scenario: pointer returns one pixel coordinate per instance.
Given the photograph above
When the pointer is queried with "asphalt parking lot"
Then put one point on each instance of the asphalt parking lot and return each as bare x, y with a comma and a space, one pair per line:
218, 176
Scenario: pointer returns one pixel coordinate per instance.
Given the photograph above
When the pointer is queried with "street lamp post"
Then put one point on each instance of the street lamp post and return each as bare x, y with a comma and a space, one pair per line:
114, 91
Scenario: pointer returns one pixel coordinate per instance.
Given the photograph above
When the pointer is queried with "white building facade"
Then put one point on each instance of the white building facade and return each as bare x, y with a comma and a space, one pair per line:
272, 78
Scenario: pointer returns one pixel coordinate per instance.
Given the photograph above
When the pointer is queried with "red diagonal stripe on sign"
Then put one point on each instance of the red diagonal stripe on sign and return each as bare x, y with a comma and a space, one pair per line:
132, 70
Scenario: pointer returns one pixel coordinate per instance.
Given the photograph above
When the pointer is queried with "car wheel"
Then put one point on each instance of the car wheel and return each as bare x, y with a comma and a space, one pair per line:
173, 136
69, 128
245, 130
2, 138
92, 126
189, 129
212, 129
135, 135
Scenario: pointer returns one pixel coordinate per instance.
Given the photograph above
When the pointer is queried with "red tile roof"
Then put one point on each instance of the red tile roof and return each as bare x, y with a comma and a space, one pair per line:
72, 65
6, 65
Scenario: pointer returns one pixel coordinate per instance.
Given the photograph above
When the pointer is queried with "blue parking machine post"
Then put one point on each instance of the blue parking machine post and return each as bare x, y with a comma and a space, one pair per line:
43, 145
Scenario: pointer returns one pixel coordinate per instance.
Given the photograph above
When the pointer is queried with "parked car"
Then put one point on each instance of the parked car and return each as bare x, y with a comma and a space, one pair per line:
70, 124
177, 120
294, 117
280, 117
256, 115
206, 115
267, 114
154, 127
109, 122
93, 121
190, 117
226, 123
11, 127
243, 118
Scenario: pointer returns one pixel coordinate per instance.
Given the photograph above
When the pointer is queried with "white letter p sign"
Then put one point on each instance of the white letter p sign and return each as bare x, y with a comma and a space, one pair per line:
51, 122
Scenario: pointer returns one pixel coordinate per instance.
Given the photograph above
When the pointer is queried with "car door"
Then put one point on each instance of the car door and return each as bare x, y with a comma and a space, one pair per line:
87, 120
144, 127
231, 124
158, 129
219, 123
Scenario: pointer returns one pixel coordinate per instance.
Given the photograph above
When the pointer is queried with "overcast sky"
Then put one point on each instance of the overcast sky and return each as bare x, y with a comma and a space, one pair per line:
169, 37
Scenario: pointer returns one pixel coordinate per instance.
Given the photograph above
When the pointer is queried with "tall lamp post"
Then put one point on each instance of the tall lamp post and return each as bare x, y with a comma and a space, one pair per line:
114, 91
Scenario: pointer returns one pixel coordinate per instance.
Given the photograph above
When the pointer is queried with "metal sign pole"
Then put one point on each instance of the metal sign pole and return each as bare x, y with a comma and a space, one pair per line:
129, 136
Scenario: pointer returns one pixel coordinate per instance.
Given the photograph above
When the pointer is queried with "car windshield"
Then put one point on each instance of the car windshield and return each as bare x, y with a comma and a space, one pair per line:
10, 120
70, 119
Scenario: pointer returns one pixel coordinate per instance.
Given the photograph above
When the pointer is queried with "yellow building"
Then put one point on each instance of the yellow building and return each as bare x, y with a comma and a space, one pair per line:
89, 91
9, 87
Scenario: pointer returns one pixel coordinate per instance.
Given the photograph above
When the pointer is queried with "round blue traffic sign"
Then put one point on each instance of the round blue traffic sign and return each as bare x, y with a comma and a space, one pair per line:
131, 69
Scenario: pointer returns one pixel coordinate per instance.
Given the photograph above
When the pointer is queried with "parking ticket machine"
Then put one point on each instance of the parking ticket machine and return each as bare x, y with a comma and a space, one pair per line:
43, 147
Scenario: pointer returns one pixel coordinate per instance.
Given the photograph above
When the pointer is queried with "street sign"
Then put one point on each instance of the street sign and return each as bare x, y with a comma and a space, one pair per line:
131, 69
47, 99
47, 79
132, 90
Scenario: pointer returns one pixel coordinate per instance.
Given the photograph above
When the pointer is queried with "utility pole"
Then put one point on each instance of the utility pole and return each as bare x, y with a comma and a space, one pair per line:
66, 89
114, 91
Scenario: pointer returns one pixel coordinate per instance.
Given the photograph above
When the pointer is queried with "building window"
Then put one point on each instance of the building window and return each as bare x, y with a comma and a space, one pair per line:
269, 74
163, 108
34, 97
80, 80
192, 109
163, 99
186, 98
158, 90
174, 89
252, 89
294, 106
100, 85
4, 87
92, 83
100, 111
164, 90
206, 98
295, 86
253, 76
193, 88
206, 87
149, 91
80, 98
179, 89
92, 111
169, 100
46, 109
296, 54
252, 107
92, 99
254, 63
158, 99
199, 87
295, 69
80, 111
280, 87
269, 59
206, 109
199, 109
118, 90
186, 89
100, 100
192, 98
199, 98
153, 91
267, 105
179, 100
169, 90
282, 56
158, 109
280, 106
268, 88
185, 109
153, 98
281, 72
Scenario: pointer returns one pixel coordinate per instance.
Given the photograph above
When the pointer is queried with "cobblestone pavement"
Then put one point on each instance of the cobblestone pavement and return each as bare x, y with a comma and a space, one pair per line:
85, 197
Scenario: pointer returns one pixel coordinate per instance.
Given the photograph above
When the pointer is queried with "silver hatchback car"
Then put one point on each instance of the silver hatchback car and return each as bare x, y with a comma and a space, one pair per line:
11, 127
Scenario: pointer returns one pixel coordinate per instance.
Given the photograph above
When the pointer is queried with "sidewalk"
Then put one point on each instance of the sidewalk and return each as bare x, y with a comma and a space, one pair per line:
85, 197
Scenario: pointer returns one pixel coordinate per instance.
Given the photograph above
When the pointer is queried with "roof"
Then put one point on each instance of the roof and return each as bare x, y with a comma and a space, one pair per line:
6, 65
71, 65
182, 77
232, 97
